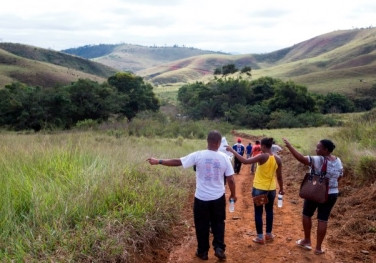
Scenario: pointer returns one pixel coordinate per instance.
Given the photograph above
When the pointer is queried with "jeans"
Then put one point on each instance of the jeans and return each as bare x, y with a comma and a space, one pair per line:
268, 210
208, 214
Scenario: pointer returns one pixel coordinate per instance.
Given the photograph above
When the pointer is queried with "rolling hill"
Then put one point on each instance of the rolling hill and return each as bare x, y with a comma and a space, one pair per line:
340, 61
128, 57
46, 68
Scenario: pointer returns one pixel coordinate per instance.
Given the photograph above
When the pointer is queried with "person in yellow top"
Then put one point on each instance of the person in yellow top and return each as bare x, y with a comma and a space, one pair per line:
269, 166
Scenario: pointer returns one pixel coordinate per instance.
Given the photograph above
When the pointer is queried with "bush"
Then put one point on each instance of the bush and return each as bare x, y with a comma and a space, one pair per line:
365, 169
283, 119
87, 124
357, 147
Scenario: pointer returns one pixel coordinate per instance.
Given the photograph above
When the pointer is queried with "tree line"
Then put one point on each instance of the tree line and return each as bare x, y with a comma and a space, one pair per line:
265, 103
123, 95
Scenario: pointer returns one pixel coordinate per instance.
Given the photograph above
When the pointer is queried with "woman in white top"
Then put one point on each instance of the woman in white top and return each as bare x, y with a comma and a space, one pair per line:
334, 171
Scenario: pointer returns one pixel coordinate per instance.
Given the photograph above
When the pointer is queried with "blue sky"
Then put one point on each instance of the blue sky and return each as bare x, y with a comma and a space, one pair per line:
241, 26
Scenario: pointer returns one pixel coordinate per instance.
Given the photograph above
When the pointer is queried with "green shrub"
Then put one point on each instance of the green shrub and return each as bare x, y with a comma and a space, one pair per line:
87, 124
283, 119
365, 169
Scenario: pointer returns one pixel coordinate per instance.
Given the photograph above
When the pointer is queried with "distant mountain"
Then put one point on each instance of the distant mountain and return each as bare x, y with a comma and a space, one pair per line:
92, 51
46, 68
128, 57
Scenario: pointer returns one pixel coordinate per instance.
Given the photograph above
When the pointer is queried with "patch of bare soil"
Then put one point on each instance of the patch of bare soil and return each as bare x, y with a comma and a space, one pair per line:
351, 235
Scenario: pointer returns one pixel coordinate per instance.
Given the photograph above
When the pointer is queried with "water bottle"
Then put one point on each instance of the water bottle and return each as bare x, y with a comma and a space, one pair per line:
232, 205
280, 200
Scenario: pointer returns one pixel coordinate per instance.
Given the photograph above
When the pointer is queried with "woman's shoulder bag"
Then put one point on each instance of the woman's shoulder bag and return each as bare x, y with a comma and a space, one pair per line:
315, 187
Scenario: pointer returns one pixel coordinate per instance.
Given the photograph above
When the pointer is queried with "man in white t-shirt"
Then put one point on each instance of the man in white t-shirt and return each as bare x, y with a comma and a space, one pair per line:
209, 209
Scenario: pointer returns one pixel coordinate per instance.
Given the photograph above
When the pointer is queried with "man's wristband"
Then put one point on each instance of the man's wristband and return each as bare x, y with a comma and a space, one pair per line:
160, 161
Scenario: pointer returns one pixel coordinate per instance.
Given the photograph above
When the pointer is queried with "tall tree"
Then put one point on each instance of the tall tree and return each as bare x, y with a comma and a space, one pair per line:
136, 95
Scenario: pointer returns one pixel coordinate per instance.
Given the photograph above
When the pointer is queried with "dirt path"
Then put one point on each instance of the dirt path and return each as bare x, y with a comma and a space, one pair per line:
240, 227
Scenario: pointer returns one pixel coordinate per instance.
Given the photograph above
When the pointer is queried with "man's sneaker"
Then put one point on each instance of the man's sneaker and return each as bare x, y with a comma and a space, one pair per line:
269, 237
203, 255
220, 253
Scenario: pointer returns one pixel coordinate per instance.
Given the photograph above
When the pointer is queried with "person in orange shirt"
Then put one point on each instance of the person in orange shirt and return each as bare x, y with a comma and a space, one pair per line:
256, 150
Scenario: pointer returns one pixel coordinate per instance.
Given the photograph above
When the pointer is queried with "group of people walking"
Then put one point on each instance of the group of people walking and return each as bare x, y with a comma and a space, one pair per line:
213, 167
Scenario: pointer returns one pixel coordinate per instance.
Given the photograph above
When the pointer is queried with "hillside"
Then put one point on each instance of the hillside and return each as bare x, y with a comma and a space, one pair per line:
194, 68
46, 68
339, 61
128, 57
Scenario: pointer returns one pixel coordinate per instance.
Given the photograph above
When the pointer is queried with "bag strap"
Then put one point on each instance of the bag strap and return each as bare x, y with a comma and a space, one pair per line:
324, 166
311, 165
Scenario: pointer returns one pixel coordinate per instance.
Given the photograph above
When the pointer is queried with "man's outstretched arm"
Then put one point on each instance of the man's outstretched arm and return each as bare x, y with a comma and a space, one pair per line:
165, 162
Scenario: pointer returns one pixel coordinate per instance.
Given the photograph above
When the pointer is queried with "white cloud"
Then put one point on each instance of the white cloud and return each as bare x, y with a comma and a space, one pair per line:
245, 26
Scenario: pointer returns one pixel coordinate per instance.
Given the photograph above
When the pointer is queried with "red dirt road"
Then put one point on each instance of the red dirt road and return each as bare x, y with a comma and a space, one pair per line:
240, 229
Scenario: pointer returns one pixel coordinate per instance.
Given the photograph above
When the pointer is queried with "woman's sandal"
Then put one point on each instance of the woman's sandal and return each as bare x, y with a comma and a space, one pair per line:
269, 237
319, 252
301, 244
258, 240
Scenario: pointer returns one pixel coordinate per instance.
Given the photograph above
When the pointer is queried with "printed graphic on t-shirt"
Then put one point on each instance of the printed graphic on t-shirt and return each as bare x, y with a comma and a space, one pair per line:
239, 149
212, 167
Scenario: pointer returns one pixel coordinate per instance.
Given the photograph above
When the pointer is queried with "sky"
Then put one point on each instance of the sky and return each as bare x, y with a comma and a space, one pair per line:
233, 26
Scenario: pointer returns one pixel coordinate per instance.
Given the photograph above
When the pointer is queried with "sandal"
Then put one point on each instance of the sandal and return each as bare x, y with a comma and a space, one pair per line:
301, 244
269, 238
319, 252
259, 240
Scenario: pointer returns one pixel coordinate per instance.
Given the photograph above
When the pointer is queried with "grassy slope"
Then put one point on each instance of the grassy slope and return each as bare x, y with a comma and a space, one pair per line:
46, 68
194, 68
58, 58
340, 61
14, 68
134, 58
336, 61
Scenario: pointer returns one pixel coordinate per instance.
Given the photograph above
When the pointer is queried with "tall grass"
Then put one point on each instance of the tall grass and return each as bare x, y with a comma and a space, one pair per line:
87, 196
158, 125
357, 147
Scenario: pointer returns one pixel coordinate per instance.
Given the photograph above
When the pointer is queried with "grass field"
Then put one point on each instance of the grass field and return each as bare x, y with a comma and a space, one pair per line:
81, 196
91, 196
304, 139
